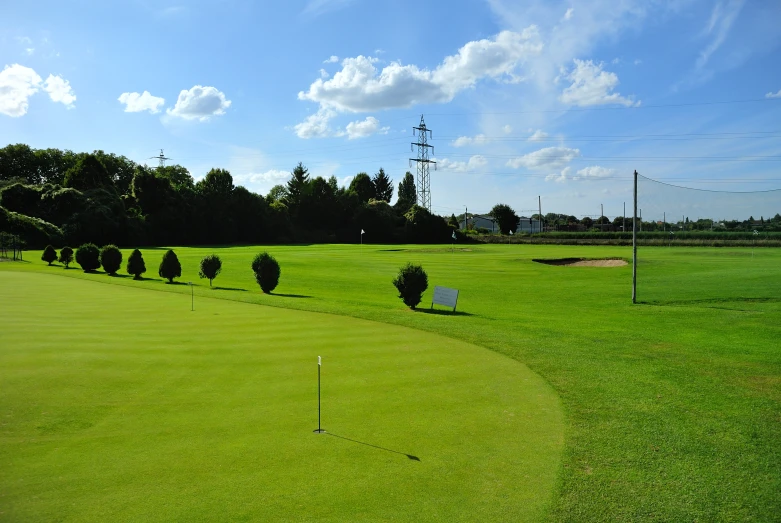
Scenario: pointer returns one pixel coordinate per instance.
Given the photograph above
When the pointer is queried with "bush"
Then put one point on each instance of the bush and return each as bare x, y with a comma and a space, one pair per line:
210, 267
66, 256
49, 254
136, 265
170, 267
266, 271
88, 256
111, 259
411, 282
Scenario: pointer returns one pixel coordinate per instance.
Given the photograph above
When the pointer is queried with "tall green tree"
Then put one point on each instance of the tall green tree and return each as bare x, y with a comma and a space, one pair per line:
49, 254
362, 186
88, 173
135, 264
66, 256
170, 267
278, 193
296, 186
210, 267
383, 186
505, 217
407, 195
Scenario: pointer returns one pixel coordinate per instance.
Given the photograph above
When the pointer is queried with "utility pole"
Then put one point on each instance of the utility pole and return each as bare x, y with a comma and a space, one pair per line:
539, 209
160, 157
623, 227
601, 214
466, 210
424, 185
634, 244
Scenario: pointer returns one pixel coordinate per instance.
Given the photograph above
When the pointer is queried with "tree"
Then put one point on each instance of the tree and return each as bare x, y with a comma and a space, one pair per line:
210, 267
111, 259
505, 217
170, 267
88, 256
66, 256
266, 271
296, 186
88, 173
383, 186
278, 193
135, 264
453, 222
362, 186
411, 282
407, 194
49, 254
588, 222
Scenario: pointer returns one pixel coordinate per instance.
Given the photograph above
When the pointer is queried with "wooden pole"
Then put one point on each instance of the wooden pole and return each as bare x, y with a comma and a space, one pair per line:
634, 246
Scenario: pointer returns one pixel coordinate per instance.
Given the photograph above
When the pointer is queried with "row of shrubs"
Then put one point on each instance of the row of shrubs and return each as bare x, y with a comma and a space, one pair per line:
91, 258
411, 281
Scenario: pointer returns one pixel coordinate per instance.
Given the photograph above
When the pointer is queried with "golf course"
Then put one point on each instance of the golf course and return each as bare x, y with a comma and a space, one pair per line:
545, 396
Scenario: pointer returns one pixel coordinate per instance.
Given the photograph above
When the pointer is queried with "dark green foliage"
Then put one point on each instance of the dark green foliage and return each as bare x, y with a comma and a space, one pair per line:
170, 267
278, 193
88, 173
66, 256
266, 271
505, 217
407, 194
378, 219
423, 227
49, 254
210, 267
411, 282
383, 186
88, 256
296, 188
24, 199
111, 259
362, 186
453, 222
135, 264
35, 233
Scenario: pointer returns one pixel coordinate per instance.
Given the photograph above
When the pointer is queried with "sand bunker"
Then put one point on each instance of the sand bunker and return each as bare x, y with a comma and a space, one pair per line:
585, 262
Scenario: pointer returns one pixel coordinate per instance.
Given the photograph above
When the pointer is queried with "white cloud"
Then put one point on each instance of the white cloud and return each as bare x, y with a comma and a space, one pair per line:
60, 90
360, 87
332, 60
593, 172
272, 176
137, 102
544, 159
324, 74
29, 50
774, 95
461, 141
17, 84
315, 125
592, 86
569, 13
476, 162
559, 178
367, 127
199, 103
538, 136
722, 17
507, 129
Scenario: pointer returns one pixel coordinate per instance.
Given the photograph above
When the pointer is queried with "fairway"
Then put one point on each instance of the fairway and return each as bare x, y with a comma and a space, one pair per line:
669, 410
120, 404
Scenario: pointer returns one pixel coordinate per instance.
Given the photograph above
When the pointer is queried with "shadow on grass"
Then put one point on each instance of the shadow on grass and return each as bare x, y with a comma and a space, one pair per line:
289, 295
177, 283
119, 275
410, 456
441, 312
228, 289
709, 302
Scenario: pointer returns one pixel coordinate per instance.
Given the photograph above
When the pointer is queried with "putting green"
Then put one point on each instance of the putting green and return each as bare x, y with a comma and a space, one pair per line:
119, 403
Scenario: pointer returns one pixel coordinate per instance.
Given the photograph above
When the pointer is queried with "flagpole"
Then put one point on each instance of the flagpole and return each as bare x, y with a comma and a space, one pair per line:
319, 364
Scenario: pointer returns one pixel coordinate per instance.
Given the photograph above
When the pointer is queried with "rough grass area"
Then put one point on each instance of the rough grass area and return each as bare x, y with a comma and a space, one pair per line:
120, 404
673, 405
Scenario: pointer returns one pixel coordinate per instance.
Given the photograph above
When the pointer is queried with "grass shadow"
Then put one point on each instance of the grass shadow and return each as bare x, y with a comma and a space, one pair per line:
409, 456
442, 312
119, 275
289, 295
228, 289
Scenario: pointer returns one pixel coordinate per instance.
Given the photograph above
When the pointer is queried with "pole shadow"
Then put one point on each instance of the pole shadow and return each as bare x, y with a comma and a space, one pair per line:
409, 456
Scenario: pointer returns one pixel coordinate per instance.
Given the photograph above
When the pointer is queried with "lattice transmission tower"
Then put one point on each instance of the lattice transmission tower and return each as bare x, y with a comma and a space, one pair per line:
423, 185
161, 157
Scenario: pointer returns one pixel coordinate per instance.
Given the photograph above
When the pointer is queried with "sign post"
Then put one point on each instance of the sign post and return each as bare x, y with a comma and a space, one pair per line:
445, 296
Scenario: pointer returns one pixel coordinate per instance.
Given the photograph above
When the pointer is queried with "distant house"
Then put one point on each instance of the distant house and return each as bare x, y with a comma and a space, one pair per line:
486, 221
528, 225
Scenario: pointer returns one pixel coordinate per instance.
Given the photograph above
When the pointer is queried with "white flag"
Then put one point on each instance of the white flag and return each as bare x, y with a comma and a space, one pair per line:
454, 235
363, 232
318, 361
511, 232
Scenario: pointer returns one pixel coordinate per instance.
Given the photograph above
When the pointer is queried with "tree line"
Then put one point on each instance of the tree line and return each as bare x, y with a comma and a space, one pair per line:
55, 196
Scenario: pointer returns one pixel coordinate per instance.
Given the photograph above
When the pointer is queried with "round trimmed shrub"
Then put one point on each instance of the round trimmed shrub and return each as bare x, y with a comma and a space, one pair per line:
66, 256
135, 264
266, 271
170, 267
88, 256
210, 267
411, 282
111, 259
49, 254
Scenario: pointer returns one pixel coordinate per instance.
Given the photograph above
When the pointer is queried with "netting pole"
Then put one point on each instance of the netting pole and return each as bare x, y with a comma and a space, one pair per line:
634, 246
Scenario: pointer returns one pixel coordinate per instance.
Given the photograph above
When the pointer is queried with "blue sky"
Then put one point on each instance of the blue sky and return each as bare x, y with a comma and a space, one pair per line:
561, 100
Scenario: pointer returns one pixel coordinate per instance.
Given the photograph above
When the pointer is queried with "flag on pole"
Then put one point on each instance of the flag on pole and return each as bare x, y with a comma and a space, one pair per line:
363, 232
454, 235
318, 360
511, 232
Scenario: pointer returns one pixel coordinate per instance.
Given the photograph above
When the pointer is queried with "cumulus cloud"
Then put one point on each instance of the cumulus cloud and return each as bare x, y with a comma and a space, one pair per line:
544, 159
316, 125
594, 172
137, 102
774, 95
332, 60
60, 90
360, 87
461, 141
17, 84
560, 177
592, 86
200, 103
364, 128
474, 163
507, 129
569, 13
272, 176
538, 136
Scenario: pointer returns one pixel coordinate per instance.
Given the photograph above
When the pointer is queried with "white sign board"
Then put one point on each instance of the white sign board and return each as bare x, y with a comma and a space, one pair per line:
445, 296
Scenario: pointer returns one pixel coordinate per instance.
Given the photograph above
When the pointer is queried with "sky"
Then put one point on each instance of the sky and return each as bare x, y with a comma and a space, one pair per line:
559, 101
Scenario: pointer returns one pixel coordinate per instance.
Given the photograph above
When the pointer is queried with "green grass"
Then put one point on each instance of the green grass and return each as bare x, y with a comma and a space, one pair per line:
672, 406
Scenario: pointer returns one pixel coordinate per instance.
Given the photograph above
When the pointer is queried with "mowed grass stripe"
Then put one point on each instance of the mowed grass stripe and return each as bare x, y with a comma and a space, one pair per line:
122, 404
